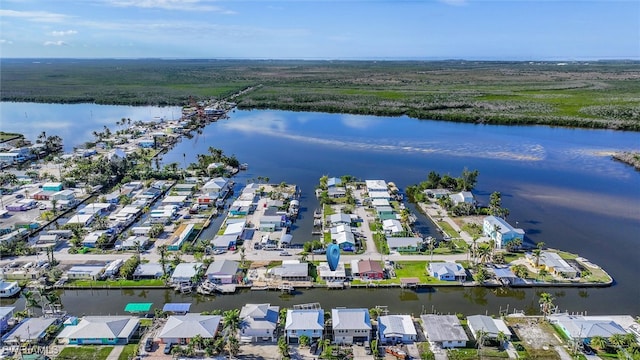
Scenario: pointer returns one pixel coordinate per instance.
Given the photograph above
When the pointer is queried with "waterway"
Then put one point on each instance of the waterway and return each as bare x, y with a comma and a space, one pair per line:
559, 184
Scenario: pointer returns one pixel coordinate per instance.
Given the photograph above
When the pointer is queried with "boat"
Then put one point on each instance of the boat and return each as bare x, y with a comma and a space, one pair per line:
244, 166
9, 289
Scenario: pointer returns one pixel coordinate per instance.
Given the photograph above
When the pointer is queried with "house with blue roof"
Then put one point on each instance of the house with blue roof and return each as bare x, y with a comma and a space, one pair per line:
395, 329
447, 271
500, 231
259, 322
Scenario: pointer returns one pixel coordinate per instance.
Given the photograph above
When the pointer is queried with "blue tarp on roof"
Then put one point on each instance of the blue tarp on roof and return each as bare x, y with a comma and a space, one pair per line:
177, 307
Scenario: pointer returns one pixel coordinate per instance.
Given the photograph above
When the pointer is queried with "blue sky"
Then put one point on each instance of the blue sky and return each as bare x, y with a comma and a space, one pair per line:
321, 29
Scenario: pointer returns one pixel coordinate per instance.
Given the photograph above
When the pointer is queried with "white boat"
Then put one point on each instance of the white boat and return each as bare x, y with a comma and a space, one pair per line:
8, 289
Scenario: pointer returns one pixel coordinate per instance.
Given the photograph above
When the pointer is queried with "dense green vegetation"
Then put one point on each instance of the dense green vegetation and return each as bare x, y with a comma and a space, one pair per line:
594, 95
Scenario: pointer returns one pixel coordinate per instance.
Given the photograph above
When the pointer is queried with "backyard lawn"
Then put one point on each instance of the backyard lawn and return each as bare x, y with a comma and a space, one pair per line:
85, 352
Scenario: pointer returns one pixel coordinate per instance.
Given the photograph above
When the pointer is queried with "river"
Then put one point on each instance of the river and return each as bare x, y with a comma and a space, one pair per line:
559, 184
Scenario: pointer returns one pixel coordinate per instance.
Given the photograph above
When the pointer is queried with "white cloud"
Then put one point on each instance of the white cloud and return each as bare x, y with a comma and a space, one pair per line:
7, 42
55, 43
63, 33
187, 5
35, 16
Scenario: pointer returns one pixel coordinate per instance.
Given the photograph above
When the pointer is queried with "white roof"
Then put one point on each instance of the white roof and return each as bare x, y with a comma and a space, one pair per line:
397, 242
174, 199
325, 271
235, 228
102, 327
450, 268
186, 270
376, 185
392, 225
6, 310
581, 327
350, 319
189, 325
304, 319
396, 325
86, 269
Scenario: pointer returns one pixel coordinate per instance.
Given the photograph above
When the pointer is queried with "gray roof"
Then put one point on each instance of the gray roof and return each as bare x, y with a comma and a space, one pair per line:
396, 325
223, 240
350, 319
6, 310
396, 242
31, 329
102, 327
340, 217
440, 328
451, 268
484, 323
305, 319
223, 267
291, 270
581, 327
148, 269
189, 325
260, 316
186, 270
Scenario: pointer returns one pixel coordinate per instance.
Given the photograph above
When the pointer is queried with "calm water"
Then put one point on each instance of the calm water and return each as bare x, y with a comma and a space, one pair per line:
558, 184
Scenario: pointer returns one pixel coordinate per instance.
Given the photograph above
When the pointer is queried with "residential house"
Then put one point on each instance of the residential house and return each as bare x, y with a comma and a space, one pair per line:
336, 192
134, 242
395, 329
328, 275
554, 264
92, 239
447, 271
583, 328
149, 271
30, 331
489, 326
339, 219
386, 212
392, 226
376, 185
444, 330
6, 313
404, 244
52, 186
215, 187
259, 322
101, 330
299, 322
85, 272
291, 270
463, 197
222, 271
350, 325
437, 193
333, 182
343, 237
224, 242
367, 269
181, 329
184, 272
500, 231
178, 238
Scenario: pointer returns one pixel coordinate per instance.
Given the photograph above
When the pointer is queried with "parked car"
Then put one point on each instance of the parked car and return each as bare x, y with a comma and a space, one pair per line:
285, 253
219, 251
320, 251
148, 345
167, 348
19, 196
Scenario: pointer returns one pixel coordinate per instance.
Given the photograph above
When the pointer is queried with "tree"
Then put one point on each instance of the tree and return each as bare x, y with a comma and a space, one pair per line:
54, 206
162, 251
520, 270
283, 347
304, 340
467, 180
513, 245
375, 312
542, 273
502, 338
598, 342
546, 304
231, 324
30, 302
618, 340
484, 252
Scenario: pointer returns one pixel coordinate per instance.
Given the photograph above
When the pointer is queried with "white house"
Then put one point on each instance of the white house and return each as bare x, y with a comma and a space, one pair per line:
101, 330
393, 329
392, 226
326, 274
180, 329
259, 322
490, 327
500, 231
447, 271
350, 325
463, 197
184, 272
222, 271
444, 330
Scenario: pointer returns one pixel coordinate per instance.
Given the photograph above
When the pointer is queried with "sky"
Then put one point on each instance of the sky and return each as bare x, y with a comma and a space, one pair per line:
321, 29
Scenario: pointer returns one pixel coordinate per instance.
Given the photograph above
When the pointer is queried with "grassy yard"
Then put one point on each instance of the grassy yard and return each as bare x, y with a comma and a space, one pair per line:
448, 229
129, 352
85, 352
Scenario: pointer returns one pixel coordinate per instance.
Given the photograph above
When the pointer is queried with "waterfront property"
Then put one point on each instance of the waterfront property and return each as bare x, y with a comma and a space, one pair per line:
350, 325
489, 326
222, 271
149, 271
444, 330
395, 329
309, 322
291, 270
180, 329
500, 231
101, 330
554, 264
184, 272
259, 322
367, 269
29, 331
404, 244
328, 275
85, 272
6, 313
447, 271
583, 328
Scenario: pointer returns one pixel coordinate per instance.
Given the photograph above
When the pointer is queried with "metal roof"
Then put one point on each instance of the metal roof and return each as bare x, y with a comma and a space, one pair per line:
177, 307
138, 307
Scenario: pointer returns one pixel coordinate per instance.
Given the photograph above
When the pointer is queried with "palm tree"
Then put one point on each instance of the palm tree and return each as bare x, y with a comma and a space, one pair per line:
618, 340
598, 342
484, 252
162, 250
542, 273
30, 302
231, 324
375, 312
520, 270
480, 337
283, 347
546, 304
502, 338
